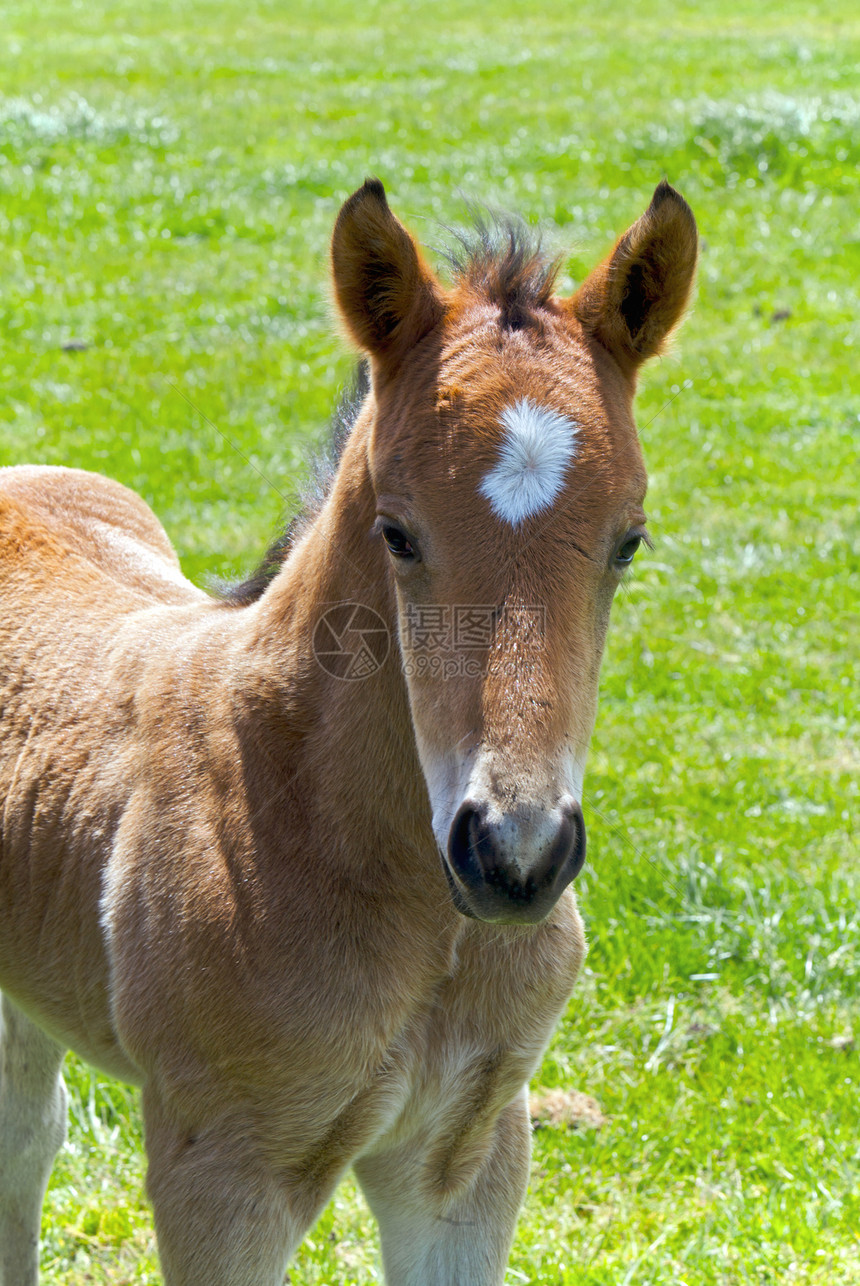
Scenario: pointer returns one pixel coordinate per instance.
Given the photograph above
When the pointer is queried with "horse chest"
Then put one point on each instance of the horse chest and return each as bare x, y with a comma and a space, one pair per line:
456, 1064
440, 1084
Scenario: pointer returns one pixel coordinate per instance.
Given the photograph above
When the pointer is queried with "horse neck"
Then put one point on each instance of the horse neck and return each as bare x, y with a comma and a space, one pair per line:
357, 746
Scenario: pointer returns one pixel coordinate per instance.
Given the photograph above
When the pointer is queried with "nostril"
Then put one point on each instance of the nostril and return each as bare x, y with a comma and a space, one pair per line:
513, 871
570, 846
469, 842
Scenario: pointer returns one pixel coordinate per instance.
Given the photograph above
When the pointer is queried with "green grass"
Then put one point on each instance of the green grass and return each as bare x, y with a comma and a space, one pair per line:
169, 175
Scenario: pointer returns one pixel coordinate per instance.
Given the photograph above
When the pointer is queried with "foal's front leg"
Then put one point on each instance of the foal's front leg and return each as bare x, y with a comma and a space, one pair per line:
451, 1226
32, 1128
223, 1217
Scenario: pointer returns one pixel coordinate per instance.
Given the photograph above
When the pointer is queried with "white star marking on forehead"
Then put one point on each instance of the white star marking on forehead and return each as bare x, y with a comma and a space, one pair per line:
536, 450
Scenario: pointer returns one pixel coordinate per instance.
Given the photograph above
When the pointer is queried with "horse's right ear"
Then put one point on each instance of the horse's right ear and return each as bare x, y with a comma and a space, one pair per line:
386, 294
634, 299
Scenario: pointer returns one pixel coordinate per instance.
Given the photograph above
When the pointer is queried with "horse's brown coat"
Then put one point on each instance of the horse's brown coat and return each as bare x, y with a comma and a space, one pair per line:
218, 874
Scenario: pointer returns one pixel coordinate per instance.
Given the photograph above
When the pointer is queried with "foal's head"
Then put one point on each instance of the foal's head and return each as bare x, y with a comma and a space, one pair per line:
509, 486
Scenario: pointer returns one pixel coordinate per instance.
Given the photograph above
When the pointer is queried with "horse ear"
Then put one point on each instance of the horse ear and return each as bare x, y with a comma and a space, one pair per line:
386, 294
634, 299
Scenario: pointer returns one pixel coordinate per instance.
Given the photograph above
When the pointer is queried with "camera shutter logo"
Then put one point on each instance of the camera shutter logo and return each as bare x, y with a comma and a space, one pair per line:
351, 641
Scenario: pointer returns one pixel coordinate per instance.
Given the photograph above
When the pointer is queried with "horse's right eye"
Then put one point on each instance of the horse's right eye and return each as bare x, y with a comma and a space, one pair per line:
627, 552
397, 541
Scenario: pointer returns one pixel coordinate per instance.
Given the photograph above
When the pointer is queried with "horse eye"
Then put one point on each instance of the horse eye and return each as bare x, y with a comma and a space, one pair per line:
627, 552
397, 541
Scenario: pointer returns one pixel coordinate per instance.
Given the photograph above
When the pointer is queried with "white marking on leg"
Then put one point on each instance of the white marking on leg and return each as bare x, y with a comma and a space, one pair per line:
32, 1128
536, 452
432, 1237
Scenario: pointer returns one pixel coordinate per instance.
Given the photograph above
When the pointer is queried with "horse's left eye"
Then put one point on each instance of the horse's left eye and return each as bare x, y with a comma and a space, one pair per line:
627, 552
397, 541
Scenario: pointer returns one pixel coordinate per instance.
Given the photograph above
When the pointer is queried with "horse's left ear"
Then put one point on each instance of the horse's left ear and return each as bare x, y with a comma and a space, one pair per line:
634, 299
387, 295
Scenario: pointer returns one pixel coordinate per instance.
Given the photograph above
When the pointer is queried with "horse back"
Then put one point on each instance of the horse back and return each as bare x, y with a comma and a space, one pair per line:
58, 511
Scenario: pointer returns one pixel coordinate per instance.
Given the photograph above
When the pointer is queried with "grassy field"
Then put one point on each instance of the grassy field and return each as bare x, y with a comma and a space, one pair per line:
169, 175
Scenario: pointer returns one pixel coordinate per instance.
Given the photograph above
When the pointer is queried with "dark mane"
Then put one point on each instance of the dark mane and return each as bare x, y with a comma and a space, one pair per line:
323, 468
499, 257
503, 259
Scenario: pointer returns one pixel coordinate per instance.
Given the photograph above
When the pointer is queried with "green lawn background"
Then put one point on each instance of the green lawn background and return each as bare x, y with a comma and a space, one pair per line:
169, 176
